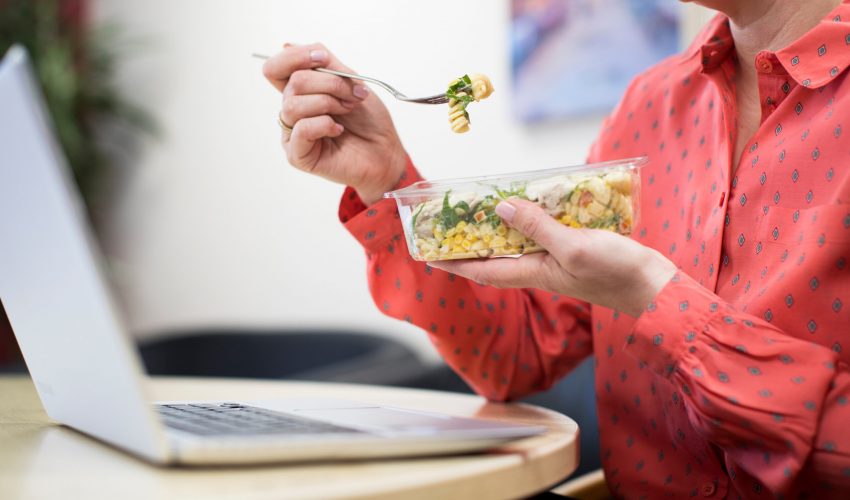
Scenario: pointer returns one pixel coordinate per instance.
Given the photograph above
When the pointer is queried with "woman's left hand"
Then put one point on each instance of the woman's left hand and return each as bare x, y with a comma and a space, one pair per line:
597, 266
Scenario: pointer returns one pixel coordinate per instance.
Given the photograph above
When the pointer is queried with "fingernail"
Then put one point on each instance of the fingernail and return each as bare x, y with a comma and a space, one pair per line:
339, 128
360, 91
318, 55
506, 211
347, 104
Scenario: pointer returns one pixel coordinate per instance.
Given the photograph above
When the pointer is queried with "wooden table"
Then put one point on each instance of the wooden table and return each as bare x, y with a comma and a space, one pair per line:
42, 460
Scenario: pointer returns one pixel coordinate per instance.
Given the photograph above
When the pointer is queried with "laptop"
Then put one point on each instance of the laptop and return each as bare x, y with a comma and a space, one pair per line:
87, 371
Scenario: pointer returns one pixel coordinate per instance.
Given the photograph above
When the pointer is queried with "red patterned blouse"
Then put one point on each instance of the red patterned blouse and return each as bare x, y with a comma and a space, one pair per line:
734, 381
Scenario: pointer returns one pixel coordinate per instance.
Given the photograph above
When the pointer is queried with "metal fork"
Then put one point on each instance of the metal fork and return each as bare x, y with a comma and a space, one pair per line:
434, 99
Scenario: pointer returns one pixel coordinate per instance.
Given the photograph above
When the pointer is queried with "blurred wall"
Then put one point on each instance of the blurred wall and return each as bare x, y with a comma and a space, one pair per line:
214, 227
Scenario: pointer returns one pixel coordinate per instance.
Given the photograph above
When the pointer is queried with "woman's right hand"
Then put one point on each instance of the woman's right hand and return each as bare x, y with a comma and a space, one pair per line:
340, 130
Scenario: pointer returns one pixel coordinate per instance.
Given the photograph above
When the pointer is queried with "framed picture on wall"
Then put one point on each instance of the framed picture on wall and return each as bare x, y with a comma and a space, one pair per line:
573, 58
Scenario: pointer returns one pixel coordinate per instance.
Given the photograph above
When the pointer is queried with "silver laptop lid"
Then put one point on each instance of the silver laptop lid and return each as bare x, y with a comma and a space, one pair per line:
87, 373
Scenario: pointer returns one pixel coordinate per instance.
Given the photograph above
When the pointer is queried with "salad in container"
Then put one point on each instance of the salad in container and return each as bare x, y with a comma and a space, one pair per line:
456, 218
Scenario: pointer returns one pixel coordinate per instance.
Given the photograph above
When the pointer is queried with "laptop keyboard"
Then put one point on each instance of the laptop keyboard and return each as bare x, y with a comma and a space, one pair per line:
237, 419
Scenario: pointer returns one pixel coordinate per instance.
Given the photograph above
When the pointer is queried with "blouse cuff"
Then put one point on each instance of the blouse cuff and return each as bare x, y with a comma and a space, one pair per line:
375, 227
671, 322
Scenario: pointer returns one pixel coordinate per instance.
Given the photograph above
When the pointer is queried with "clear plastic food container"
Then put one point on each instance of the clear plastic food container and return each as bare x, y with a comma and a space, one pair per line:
456, 218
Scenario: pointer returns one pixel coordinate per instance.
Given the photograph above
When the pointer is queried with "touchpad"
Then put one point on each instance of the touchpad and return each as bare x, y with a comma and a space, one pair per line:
387, 418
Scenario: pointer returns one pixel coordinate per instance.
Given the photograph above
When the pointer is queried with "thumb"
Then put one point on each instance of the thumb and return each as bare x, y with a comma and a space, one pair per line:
533, 222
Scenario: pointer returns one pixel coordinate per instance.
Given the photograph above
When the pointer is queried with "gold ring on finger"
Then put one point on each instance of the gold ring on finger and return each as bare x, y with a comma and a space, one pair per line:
283, 126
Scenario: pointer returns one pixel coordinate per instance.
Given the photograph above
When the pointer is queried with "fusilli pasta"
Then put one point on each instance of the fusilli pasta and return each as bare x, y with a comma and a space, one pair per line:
458, 117
481, 85
463, 91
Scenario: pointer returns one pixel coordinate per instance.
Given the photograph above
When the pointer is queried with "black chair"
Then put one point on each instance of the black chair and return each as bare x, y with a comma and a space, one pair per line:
336, 356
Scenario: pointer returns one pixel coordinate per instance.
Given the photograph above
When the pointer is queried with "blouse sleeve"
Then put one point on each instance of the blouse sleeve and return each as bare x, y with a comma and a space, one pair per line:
775, 405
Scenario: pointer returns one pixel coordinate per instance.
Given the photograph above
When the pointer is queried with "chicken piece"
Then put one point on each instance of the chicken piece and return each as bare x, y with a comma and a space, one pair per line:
620, 181
550, 193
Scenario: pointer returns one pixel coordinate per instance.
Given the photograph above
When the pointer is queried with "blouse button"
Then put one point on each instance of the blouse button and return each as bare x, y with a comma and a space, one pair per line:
763, 64
708, 489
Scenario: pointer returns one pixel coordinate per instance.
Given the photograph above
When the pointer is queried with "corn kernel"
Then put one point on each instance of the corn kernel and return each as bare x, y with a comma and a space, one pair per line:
460, 225
498, 241
451, 232
487, 238
501, 230
466, 244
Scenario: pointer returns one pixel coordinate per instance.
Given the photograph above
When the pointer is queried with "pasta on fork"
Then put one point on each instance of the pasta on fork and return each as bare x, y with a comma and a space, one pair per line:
463, 91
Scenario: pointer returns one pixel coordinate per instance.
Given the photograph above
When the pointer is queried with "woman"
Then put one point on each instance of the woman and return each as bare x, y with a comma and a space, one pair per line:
719, 328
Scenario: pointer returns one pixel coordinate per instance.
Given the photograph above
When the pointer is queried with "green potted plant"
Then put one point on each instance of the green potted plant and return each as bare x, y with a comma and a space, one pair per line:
76, 65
